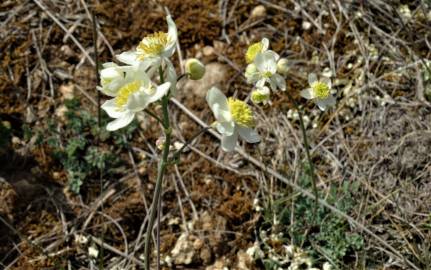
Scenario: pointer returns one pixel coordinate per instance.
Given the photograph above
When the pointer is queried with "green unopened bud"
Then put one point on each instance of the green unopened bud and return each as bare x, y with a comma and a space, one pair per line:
260, 95
283, 66
195, 69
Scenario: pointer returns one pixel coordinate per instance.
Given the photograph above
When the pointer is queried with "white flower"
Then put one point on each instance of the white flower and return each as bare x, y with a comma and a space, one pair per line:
254, 49
134, 94
153, 51
319, 91
234, 117
264, 69
260, 95
154, 47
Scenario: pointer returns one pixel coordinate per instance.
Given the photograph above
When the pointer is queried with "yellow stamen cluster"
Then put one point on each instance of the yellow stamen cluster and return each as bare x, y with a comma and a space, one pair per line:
252, 51
241, 112
125, 92
320, 90
153, 44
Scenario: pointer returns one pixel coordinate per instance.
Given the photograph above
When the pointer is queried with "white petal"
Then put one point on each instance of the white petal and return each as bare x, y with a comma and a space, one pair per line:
307, 93
225, 128
111, 109
121, 122
161, 91
280, 81
220, 114
137, 101
112, 88
172, 30
321, 105
110, 73
265, 44
129, 58
215, 96
259, 61
325, 103
272, 84
144, 78
228, 143
171, 76
109, 64
150, 62
326, 81
251, 73
172, 38
263, 90
312, 78
261, 83
249, 134
274, 55
266, 61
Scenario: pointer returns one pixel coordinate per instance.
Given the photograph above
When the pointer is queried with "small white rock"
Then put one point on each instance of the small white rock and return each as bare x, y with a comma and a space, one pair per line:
306, 25
258, 12
93, 252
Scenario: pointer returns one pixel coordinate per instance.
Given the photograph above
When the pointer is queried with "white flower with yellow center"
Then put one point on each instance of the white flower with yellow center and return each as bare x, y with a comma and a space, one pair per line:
133, 95
155, 50
254, 49
319, 91
263, 70
233, 118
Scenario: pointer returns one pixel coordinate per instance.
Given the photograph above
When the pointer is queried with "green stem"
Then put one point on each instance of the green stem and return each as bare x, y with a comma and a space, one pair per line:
150, 113
160, 172
307, 152
184, 75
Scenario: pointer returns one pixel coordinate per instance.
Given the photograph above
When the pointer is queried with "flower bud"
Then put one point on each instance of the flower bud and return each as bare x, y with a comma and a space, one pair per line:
283, 66
260, 95
195, 69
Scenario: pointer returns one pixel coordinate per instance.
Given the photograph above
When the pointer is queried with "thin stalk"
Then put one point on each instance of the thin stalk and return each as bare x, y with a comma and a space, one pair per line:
160, 172
184, 75
307, 152
96, 59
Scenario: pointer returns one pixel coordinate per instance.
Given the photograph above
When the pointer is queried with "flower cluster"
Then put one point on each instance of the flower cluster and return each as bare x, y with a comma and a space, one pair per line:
264, 66
130, 85
132, 88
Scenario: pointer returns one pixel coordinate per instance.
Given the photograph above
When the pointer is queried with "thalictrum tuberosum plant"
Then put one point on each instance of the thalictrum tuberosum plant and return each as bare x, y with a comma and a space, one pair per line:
148, 77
